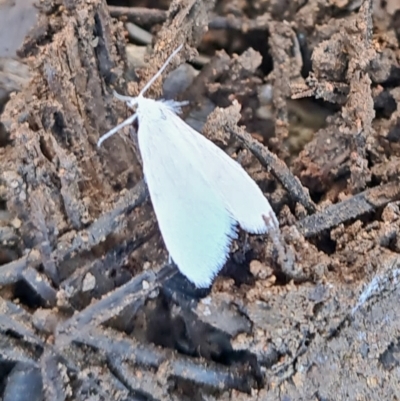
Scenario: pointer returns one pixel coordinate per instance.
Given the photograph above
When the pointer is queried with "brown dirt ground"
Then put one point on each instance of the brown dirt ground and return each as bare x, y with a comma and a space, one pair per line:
87, 309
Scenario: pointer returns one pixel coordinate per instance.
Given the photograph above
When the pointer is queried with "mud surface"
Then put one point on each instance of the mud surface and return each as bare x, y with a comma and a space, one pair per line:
306, 95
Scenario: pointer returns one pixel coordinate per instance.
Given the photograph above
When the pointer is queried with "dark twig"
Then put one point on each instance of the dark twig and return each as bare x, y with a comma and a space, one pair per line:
39, 283
106, 224
8, 325
15, 320
11, 272
365, 202
109, 223
11, 350
139, 15
115, 257
134, 292
278, 168
174, 366
148, 16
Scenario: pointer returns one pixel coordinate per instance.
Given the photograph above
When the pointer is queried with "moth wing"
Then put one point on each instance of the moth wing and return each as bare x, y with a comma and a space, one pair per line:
193, 220
241, 195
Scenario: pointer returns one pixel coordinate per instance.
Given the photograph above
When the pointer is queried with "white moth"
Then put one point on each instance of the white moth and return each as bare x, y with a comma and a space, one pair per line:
199, 194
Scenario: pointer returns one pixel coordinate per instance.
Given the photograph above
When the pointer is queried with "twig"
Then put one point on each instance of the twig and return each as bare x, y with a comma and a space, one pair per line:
12, 351
133, 293
115, 257
139, 15
53, 384
148, 16
106, 224
365, 202
174, 365
109, 223
278, 168
39, 283
8, 325
11, 272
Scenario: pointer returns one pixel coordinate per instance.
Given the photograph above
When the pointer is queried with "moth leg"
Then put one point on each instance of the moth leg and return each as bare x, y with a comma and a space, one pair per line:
174, 105
180, 104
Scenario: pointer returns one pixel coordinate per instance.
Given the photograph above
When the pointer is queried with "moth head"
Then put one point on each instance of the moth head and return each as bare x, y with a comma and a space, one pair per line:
132, 102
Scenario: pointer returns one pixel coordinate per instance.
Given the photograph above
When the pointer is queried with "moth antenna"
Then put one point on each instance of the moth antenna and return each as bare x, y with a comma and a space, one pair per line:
128, 121
161, 70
